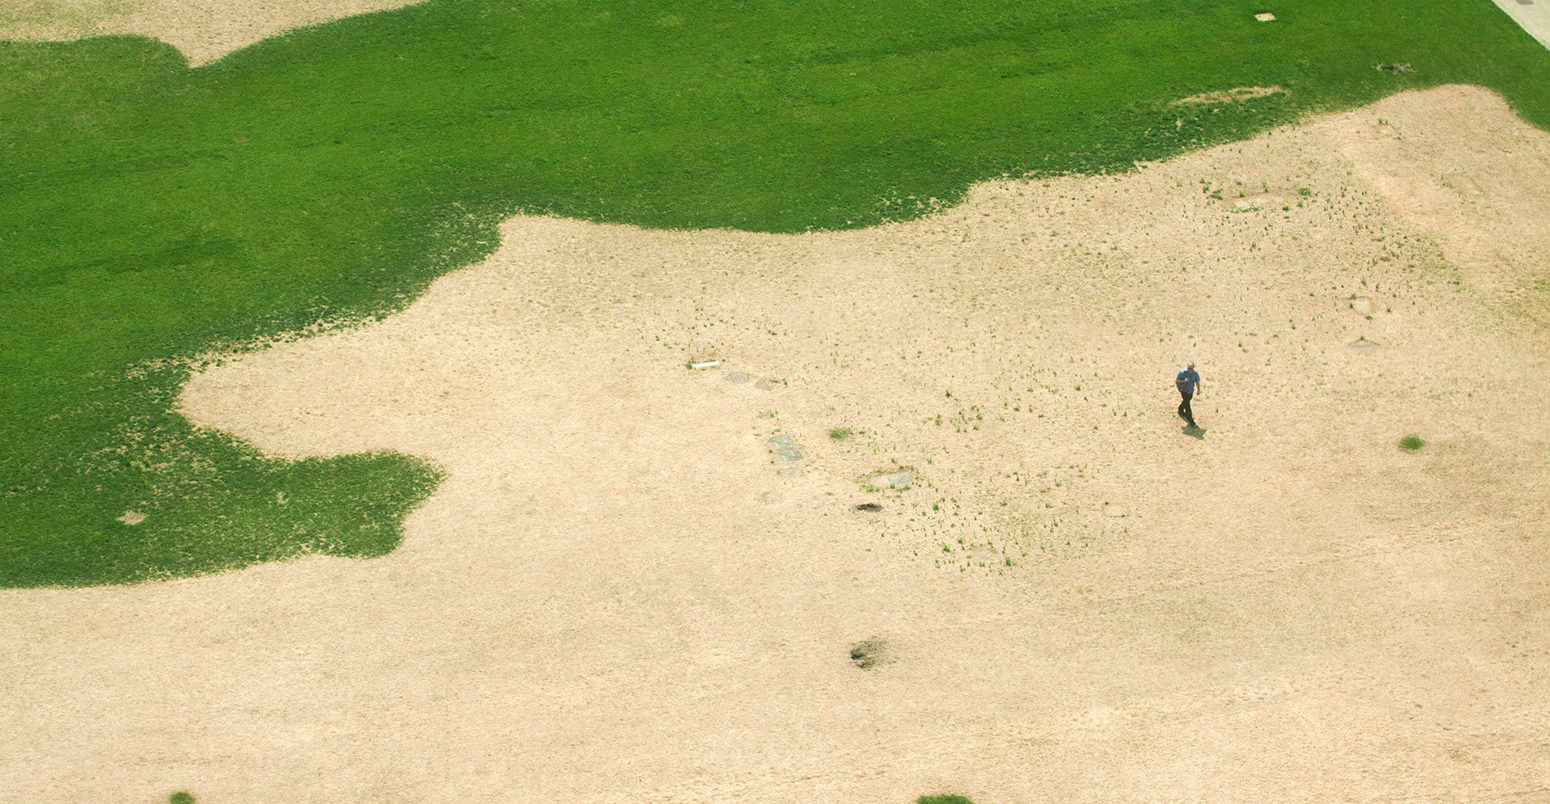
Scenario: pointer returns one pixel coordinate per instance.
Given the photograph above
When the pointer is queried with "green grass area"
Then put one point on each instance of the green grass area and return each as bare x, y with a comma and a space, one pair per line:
149, 212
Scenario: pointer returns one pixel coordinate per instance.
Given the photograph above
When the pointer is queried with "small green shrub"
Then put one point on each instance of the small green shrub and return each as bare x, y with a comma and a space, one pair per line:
839, 433
942, 800
180, 798
1411, 443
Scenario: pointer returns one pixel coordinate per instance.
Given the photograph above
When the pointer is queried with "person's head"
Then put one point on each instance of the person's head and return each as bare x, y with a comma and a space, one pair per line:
1189, 365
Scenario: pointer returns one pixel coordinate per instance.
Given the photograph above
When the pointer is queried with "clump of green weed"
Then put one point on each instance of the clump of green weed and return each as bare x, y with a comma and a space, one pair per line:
840, 433
1411, 443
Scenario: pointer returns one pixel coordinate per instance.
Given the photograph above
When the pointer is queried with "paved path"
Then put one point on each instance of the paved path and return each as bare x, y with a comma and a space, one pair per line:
1533, 15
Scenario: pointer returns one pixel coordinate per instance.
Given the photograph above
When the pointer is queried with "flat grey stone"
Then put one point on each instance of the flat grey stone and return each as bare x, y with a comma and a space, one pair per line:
764, 385
900, 481
1362, 345
785, 447
737, 377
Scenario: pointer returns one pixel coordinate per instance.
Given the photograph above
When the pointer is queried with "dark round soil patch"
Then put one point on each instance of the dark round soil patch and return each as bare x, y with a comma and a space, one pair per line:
869, 654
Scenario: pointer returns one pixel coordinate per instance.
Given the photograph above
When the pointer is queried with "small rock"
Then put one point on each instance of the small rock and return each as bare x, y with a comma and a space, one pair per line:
984, 554
737, 377
900, 481
764, 385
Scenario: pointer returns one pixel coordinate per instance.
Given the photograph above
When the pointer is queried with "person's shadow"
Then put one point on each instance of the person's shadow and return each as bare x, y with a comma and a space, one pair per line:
1194, 431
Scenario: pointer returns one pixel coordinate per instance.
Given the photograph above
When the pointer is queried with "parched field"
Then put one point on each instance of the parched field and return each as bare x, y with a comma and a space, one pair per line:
152, 213
620, 592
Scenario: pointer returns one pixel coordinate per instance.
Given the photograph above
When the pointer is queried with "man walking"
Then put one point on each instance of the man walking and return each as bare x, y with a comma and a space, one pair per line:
1188, 381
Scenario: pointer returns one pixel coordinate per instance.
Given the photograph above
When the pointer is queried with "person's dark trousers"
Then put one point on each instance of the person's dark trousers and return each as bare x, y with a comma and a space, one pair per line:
1184, 411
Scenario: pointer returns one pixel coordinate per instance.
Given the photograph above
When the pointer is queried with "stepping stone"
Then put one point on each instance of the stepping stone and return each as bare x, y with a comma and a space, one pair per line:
737, 377
899, 481
785, 447
1362, 345
1265, 17
764, 385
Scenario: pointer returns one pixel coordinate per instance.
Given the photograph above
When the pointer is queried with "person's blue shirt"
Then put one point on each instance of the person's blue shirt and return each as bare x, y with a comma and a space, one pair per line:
1187, 380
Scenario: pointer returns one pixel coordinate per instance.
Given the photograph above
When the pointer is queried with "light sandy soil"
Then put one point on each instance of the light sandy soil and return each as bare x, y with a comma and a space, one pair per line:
1235, 95
1532, 15
204, 30
618, 595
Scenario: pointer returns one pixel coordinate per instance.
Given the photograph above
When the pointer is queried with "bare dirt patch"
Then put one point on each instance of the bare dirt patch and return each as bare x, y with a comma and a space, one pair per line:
621, 593
1235, 95
204, 30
